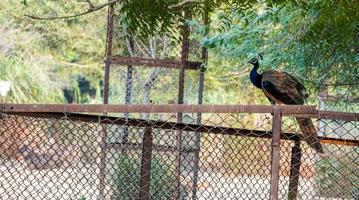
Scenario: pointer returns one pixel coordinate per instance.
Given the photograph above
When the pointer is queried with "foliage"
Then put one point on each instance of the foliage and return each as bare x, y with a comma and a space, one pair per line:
127, 179
317, 41
146, 18
29, 77
306, 40
48, 56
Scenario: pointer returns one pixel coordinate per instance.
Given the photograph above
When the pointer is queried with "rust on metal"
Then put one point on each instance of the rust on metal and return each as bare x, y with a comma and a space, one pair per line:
339, 141
155, 147
151, 108
275, 154
145, 179
180, 100
338, 115
109, 40
204, 57
183, 127
295, 164
151, 62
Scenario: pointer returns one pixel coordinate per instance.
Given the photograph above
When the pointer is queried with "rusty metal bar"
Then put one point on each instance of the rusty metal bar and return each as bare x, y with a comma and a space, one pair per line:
102, 162
181, 79
151, 62
338, 141
151, 108
294, 170
274, 186
184, 59
156, 147
109, 40
145, 179
183, 127
204, 57
338, 115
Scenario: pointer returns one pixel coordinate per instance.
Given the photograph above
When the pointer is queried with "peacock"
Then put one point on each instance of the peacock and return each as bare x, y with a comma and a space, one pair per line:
282, 88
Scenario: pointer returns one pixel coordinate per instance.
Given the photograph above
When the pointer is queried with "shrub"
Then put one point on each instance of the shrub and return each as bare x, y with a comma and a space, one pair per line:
127, 180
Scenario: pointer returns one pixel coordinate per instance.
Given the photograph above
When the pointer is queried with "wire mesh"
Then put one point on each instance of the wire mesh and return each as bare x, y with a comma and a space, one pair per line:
227, 156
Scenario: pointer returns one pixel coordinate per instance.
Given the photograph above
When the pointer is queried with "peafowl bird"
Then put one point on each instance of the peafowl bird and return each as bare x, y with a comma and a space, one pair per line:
283, 88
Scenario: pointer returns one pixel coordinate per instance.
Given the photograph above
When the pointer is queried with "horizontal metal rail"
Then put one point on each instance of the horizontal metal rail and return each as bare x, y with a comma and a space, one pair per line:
151, 108
286, 110
150, 62
338, 115
183, 127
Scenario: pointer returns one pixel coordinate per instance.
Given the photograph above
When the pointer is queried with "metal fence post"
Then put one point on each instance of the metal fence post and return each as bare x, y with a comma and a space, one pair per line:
294, 170
103, 145
184, 60
145, 179
277, 118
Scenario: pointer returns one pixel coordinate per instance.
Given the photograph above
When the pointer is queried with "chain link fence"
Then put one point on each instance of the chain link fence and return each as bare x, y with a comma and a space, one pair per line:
229, 155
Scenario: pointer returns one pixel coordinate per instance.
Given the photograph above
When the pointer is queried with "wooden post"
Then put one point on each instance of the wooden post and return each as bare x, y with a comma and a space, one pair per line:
277, 118
294, 170
145, 180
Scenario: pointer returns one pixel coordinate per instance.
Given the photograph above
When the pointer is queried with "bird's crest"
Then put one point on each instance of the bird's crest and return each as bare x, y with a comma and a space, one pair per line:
260, 56
255, 59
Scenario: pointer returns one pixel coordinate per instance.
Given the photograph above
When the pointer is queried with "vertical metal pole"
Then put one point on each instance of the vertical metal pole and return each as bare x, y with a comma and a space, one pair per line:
197, 145
204, 58
295, 170
277, 118
103, 143
184, 59
145, 179
109, 40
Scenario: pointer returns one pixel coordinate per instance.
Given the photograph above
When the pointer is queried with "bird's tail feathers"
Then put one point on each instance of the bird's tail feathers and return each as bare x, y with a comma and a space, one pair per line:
309, 134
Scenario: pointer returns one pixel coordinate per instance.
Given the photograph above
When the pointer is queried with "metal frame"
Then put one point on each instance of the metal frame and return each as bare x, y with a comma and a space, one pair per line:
150, 62
163, 108
146, 159
69, 112
294, 170
286, 110
131, 62
275, 156
106, 120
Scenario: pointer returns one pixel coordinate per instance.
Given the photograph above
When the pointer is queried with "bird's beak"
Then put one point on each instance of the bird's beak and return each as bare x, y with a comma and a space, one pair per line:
249, 62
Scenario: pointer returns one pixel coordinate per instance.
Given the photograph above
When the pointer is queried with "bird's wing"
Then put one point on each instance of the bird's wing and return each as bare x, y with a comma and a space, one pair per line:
283, 88
300, 87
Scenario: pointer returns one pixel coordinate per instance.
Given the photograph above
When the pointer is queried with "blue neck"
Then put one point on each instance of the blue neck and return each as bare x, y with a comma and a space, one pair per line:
256, 78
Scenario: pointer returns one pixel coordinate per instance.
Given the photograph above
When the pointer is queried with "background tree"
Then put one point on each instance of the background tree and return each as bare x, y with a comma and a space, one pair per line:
317, 41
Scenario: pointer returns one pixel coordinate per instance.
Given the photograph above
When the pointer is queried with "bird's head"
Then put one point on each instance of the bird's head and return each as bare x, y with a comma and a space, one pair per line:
254, 61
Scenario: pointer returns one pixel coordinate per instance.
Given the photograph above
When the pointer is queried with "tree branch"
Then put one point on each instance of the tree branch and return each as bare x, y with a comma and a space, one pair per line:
327, 84
92, 9
142, 47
